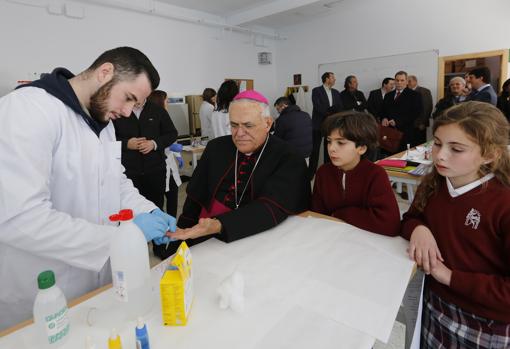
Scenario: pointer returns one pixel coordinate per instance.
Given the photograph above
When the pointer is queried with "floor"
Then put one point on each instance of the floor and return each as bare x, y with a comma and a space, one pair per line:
397, 338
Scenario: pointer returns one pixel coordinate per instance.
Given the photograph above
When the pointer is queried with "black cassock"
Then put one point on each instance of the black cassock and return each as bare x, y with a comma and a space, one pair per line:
278, 187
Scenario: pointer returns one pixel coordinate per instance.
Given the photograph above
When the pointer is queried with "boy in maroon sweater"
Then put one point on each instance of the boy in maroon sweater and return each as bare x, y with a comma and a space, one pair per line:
459, 231
351, 187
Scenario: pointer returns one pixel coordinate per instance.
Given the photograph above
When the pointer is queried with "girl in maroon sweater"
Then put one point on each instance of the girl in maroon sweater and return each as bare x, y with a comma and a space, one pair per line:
459, 231
351, 187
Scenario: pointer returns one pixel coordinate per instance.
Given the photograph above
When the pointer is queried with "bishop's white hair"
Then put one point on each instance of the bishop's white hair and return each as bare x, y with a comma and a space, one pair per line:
265, 111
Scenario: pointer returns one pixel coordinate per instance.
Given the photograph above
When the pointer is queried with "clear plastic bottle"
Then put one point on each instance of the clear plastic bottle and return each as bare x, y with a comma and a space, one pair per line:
129, 258
50, 312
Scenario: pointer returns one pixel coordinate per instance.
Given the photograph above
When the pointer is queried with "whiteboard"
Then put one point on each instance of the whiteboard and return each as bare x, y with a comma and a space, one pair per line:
372, 71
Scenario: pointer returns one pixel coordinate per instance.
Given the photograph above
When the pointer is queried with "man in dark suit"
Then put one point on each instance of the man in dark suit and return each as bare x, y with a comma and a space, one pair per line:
401, 109
375, 98
326, 101
426, 102
481, 89
352, 98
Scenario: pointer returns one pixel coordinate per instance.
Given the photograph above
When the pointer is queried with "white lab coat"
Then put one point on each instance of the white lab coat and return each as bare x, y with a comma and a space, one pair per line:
59, 183
206, 110
220, 124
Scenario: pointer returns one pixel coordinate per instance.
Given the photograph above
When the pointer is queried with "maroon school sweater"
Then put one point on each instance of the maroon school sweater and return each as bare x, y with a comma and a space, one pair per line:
473, 234
368, 202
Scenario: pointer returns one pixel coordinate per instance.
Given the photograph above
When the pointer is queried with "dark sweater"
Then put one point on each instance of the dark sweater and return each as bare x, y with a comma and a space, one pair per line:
368, 202
295, 127
354, 100
472, 232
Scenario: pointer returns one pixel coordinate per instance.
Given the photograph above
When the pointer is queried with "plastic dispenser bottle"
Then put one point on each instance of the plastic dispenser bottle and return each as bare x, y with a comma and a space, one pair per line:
114, 340
142, 335
50, 312
129, 258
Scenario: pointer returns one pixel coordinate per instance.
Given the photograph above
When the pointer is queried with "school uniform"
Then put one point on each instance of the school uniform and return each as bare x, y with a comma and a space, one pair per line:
362, 197
471, 226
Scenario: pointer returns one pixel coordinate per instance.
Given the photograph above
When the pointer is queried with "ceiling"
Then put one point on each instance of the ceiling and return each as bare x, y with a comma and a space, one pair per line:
274, 14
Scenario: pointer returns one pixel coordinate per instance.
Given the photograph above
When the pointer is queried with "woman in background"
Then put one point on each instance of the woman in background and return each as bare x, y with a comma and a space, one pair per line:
219, 120
455, 95
504, 99
206, 110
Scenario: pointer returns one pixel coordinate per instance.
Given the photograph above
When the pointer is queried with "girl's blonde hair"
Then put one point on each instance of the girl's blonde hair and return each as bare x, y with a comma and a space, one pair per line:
485, 125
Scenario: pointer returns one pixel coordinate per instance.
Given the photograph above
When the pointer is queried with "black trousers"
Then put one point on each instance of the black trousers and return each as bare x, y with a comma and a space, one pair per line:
171, 197
314, 157
151, 186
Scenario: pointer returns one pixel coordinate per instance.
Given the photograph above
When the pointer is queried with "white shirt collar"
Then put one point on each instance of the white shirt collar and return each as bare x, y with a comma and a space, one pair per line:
482, 87
327, 88
465, 188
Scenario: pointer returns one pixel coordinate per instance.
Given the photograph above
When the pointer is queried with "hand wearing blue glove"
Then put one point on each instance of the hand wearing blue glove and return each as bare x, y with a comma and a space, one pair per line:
180, 161
169, 220
176, 147
151, 225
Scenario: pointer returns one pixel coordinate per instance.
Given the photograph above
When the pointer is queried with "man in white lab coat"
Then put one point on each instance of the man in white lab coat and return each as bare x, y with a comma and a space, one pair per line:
61, 178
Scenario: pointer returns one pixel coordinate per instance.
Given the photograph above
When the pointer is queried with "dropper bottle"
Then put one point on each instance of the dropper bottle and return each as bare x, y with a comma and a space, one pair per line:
114, 340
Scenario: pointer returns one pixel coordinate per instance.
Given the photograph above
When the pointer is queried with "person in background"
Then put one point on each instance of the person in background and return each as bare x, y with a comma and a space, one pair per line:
376, 97
293, 126
351, 187
401, 109
206, 110
352, 98
454, 96
481, 89
219, 119
62, 178
245, 183
326, 101
159, 98
426, 103
465, 253
144, 135
504, 99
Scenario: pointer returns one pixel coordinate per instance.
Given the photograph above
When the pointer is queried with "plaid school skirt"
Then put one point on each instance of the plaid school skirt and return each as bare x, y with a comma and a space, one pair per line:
446, 326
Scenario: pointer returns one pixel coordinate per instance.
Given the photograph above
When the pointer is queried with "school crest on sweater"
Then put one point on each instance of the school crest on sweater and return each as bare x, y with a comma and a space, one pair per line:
473, 218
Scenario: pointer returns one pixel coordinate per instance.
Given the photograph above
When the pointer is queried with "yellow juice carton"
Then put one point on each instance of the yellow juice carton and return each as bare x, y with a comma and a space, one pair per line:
177, 288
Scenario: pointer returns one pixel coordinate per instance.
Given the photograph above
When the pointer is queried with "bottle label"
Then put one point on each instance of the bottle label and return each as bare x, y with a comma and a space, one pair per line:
120, 286
57, 325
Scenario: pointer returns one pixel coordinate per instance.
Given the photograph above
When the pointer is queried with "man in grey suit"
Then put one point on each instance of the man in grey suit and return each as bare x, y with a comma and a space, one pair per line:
481, 89
426, 102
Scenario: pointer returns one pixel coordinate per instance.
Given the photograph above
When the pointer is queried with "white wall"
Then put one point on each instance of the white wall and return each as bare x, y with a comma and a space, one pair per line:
187, 56
372, 28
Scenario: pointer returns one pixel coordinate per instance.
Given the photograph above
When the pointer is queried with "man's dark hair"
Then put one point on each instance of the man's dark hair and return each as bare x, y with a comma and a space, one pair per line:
386, 81
360, 128
325, 76
226, 93
282, 100
482, 72
348, 80
401, 72
208, 94
128, 63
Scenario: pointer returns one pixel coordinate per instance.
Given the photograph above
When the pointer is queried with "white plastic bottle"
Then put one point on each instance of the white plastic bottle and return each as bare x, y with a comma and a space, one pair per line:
129, 258
50, 312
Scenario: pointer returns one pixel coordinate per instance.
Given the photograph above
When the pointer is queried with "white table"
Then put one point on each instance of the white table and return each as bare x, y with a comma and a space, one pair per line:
195, 152
309, 283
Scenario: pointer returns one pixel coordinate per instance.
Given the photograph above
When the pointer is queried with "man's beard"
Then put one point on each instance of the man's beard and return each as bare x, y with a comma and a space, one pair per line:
98, 107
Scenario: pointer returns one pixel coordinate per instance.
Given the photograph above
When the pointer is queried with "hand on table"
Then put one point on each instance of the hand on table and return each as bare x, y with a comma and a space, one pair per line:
423, 249
205, 226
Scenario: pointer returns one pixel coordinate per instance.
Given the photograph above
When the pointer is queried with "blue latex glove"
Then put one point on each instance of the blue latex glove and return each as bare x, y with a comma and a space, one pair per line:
151, 225
176, 147
169, 220
180, 161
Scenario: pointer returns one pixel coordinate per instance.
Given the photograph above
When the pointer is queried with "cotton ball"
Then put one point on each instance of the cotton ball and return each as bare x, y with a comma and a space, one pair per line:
231, 292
